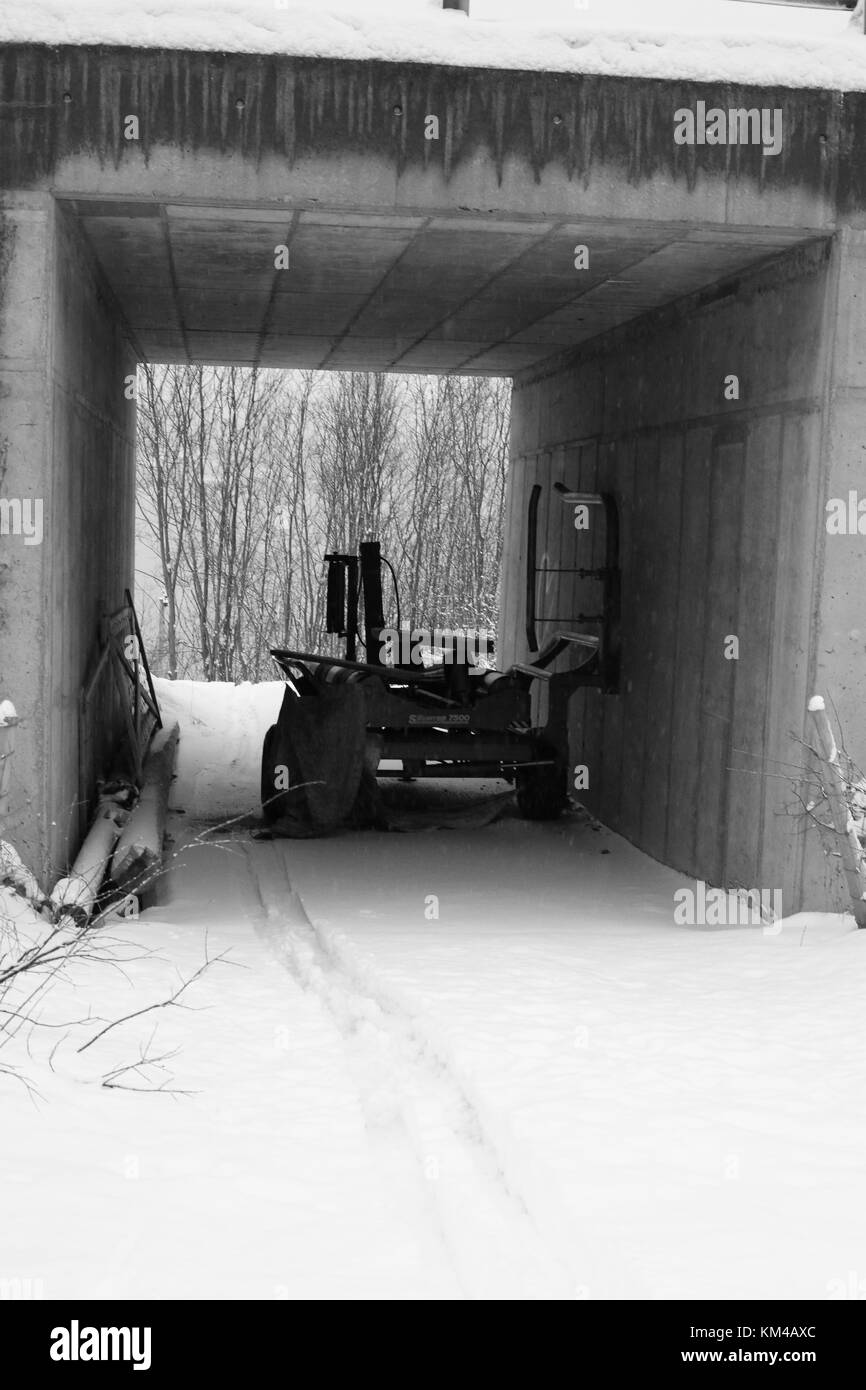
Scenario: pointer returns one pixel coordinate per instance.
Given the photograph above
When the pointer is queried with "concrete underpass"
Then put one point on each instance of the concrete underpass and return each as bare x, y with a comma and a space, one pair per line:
156, 239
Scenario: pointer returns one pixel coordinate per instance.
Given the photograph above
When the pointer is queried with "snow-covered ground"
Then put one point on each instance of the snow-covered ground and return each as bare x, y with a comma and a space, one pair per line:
484, 1064
723, 40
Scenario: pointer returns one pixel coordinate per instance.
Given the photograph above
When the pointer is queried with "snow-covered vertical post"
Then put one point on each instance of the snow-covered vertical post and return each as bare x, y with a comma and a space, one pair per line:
852, 855
8, 721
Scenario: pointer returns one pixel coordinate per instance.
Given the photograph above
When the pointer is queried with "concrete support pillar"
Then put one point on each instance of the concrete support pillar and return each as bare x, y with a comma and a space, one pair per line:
67, 441
841, 617
26, 279
838, 654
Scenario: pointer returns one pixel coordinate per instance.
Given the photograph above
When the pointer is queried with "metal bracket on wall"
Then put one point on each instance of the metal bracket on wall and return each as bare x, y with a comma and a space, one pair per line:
607, 574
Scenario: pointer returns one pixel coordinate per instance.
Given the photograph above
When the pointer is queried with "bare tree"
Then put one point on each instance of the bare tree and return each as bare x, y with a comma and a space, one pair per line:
248, 477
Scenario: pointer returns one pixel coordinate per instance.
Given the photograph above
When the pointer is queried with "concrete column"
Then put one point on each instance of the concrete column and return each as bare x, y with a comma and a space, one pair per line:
26, 288
841, 629
838, 656
67, 441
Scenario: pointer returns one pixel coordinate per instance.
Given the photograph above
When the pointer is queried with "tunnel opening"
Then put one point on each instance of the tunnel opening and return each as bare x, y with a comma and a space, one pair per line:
247, 479
617, 338
257, 489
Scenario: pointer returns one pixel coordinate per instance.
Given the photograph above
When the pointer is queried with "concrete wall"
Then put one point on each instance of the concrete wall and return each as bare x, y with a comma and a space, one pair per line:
722, 506
67, 432
841, 611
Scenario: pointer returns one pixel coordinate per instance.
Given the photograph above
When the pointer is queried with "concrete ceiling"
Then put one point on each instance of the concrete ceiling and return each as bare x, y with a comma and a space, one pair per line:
478, 295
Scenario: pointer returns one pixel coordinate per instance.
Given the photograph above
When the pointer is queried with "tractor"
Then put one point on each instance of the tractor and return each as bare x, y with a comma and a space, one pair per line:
441, 713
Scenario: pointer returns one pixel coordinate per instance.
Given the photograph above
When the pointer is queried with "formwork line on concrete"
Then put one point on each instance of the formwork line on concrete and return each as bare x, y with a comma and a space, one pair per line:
268, 311
172, 271
504, 270
371, 297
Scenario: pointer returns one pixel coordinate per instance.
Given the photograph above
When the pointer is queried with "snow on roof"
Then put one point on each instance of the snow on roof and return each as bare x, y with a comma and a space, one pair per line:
699, 40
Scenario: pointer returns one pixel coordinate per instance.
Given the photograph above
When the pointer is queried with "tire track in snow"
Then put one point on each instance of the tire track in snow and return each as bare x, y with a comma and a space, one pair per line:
415, 1106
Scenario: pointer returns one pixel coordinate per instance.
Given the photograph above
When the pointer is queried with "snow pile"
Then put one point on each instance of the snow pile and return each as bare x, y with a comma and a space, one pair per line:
218, 769
694, 39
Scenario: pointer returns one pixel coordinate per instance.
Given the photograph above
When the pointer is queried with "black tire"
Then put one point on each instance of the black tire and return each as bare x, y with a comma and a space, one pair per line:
270, 795
542, 792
